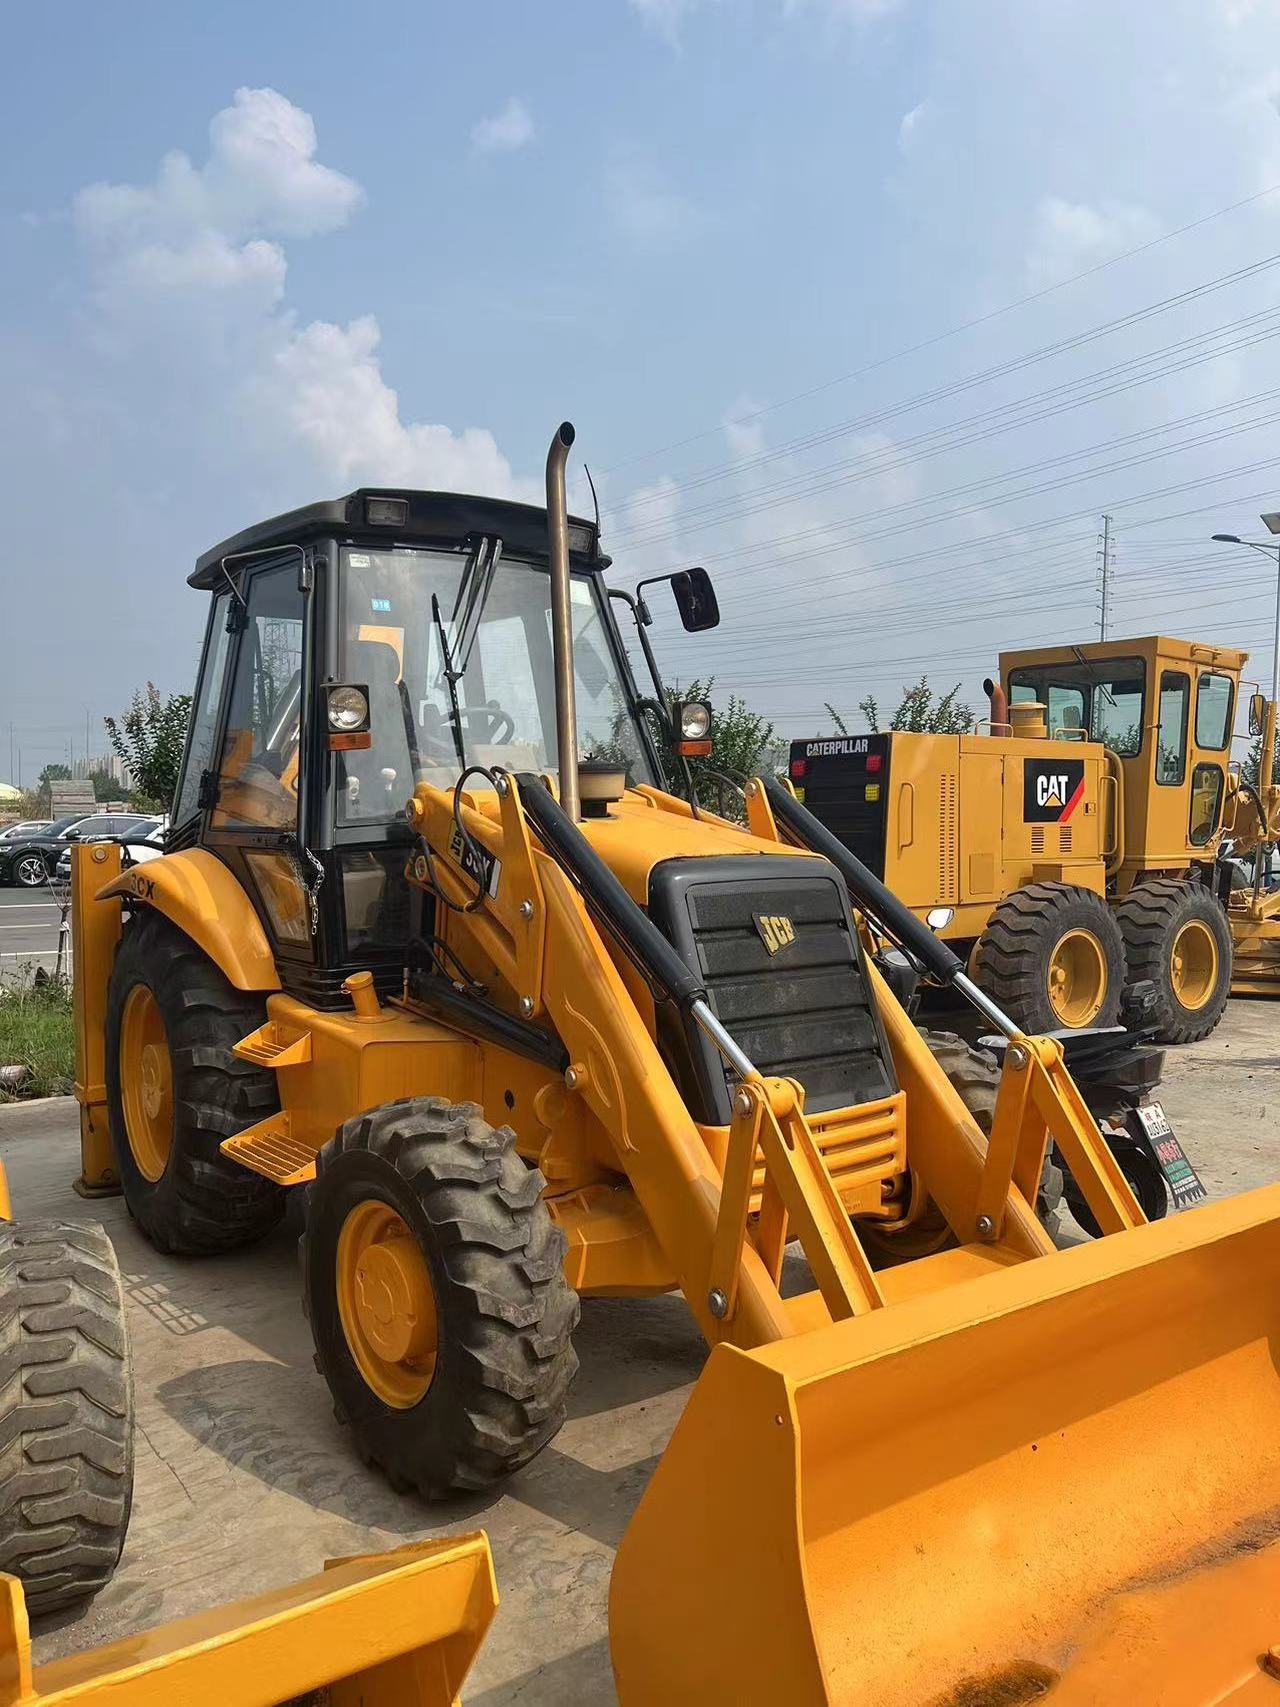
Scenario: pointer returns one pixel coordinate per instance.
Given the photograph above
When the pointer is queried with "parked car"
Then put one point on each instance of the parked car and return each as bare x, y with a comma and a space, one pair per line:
145, 838
29, 860
27, 827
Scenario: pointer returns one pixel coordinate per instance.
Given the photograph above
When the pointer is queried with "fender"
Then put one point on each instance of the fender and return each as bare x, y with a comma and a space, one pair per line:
199, 895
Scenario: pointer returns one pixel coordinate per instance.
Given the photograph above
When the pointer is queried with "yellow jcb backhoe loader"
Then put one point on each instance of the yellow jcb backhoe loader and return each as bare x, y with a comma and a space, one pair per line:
1078, 845
551, 1031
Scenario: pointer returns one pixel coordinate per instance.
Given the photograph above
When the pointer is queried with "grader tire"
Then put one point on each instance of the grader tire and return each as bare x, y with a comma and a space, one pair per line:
1177, 935
185, 1195
434, 1284
1053, 957
975, 1077
66, 1411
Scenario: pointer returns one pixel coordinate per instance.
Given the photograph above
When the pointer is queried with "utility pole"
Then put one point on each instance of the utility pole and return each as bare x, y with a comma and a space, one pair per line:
1104, 616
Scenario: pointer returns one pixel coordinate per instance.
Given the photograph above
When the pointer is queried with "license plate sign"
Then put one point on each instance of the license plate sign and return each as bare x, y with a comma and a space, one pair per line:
1184, 1181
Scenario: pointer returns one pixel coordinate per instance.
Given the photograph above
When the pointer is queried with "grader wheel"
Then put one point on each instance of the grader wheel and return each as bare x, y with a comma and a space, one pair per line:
1176, 934
1053, 957
435, 1287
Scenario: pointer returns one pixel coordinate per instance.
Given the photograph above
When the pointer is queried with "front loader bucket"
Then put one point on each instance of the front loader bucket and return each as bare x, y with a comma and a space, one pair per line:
1060, 1477
395, 1629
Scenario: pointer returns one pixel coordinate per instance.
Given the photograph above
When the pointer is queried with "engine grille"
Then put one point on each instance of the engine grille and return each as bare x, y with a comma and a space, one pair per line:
802, 1009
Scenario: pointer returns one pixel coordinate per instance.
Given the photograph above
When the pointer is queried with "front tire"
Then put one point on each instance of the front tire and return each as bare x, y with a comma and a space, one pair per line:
1053, 957
175, 1091
435, 1287
66, 1411
1177, 935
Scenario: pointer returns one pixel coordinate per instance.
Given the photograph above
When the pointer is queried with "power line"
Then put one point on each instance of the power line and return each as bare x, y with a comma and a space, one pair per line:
951, 332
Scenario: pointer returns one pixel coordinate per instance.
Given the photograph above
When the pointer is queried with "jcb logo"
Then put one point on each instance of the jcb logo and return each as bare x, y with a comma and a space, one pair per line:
1051, 791
776, 930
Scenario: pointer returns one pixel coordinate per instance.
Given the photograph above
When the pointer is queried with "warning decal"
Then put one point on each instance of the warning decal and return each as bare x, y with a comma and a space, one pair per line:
1052, 789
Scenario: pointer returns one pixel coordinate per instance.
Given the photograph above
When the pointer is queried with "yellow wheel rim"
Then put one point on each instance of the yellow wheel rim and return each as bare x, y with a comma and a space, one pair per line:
146, 1082
386, 1304
1193, 965
1077, 979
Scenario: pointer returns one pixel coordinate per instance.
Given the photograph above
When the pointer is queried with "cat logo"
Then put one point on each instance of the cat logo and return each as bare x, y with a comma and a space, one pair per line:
1051, 790
776, 931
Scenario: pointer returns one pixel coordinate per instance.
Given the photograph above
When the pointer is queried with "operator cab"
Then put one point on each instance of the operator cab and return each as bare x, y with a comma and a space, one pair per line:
355, 648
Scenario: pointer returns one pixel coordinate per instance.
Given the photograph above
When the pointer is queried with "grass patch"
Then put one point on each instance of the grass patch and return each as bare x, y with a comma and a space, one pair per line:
37, 1031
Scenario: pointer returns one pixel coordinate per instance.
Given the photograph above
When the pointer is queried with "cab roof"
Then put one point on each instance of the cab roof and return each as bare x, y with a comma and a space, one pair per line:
1149, 646
433, 518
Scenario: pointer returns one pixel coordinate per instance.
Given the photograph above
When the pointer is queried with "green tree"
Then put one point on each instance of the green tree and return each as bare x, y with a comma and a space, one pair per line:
149, 737
106, 788
1252, 765
54, 773
920, 711
740, 741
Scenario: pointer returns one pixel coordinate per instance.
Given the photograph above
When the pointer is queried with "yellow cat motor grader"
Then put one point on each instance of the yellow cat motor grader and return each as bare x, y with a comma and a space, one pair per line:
550, 1032
1082, 848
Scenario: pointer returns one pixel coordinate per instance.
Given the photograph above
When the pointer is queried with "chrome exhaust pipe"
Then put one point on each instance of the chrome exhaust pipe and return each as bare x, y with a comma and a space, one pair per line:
562, 621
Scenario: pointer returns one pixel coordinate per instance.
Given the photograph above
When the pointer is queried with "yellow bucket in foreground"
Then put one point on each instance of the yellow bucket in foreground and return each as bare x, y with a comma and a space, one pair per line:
1060, 1478
396, 1629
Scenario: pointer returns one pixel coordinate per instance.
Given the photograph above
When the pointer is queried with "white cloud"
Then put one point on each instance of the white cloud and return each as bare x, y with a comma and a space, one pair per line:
506, 131
189, 285
910, 126
645, 211
1068, 237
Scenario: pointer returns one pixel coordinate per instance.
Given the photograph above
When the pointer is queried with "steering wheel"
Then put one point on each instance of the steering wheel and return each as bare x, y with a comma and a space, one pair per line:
436, 734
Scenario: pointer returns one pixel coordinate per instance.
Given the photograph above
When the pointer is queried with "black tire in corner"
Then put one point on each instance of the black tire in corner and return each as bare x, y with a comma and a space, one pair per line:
1165, 921
201, 1202
504, 1313
66, 1411
1053, 943
974, 1074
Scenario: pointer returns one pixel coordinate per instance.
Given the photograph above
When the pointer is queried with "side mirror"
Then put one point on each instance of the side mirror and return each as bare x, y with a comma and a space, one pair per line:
695, 600
1257, 713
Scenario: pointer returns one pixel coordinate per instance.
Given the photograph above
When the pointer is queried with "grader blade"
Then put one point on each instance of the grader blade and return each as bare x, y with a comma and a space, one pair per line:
1063, 1474
397, 1629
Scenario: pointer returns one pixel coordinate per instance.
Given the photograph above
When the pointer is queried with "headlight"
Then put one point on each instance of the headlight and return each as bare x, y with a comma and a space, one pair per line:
938, 918
348, 709
695, 721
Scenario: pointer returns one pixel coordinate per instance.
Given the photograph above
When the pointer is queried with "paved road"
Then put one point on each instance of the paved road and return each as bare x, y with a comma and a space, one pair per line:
244, 1479
28, 931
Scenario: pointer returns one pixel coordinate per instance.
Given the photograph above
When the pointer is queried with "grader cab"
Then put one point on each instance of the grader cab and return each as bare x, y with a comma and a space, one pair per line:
437, 942
1074, 847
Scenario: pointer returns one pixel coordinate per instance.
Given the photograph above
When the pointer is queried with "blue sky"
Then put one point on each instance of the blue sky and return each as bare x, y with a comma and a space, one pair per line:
398, 243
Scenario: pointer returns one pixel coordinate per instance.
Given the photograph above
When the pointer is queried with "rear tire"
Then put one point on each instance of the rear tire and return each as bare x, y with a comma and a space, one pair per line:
485, 1389
66, 1411
1053, 957
1177, 935
185, 1195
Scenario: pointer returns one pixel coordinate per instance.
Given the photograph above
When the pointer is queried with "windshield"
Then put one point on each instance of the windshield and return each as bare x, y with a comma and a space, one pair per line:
501, 710
1101, 699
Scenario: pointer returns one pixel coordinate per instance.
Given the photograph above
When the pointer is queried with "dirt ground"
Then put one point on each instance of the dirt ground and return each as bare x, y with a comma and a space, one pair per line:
244, 1480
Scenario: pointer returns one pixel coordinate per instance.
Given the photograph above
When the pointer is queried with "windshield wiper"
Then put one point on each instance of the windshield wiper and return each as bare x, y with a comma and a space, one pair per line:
451, 679
476, 584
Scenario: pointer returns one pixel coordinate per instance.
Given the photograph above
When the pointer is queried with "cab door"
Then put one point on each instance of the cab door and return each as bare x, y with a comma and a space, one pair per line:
251, 789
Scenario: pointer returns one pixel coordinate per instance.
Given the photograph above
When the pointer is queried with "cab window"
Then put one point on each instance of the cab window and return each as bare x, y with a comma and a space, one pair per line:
1171, 732
258, 769
1103, 697
1213, 711
1206, 804
204, 714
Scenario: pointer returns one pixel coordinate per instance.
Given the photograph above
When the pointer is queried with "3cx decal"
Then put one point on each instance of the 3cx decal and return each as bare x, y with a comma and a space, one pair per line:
1052, 789
143, 887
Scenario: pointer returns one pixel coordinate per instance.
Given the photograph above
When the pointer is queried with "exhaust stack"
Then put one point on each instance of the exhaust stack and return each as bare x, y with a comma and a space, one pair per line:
562, 621
999, 707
